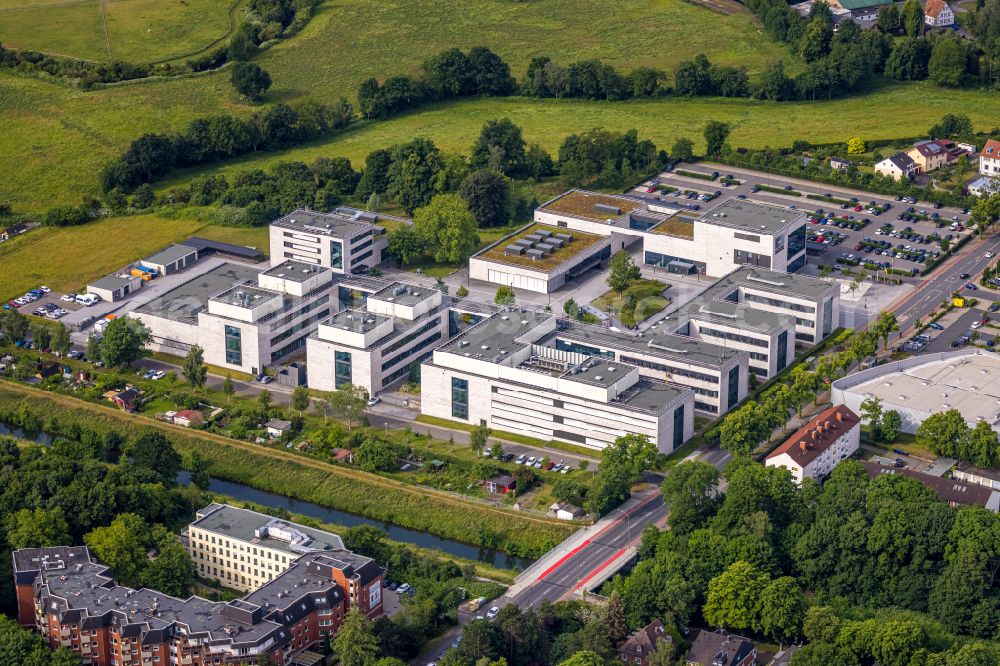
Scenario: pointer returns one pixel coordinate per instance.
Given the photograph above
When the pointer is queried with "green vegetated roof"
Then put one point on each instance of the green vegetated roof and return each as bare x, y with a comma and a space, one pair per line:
859, 4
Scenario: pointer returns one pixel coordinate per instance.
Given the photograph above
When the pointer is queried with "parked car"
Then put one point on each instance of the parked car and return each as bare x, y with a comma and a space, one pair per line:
492, 613
159, 374
68, 298
520, 459
936, 326
403, 588
374, 400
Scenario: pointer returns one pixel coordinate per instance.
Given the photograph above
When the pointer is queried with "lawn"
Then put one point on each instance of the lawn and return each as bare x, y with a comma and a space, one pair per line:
649, 300
138, 30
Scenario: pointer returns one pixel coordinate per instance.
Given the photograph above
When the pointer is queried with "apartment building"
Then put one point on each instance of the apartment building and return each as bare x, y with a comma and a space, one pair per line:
73, 601
737, 232
244, 318
819, 445
347, 241
500, 373
245, 550
989, 159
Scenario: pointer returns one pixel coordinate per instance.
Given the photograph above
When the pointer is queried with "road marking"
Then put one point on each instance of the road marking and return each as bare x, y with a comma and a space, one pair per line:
602, 567
562, 560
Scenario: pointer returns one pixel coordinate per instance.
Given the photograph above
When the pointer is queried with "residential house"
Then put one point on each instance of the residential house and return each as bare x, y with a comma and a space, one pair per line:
989, 158
126, 400
642, 644
938, 14
929, 155
863, 11
566, 511
13, 230
983, 186
277, 428
500, 484
188, 418
953, 491
840, 164
898, 166
816, 448
720, 648
345, 456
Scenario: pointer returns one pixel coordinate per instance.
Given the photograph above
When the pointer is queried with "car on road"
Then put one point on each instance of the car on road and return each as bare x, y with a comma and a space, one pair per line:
976, 324
988, 255
936, 326
403, 588
964, 276
971, 287
900, 463
374, 400
492, 613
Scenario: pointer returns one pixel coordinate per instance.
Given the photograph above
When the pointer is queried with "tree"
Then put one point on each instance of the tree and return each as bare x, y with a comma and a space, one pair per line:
505, 296
26, 648
13, 325
716, 133
122, 546
682, 150
871, 411
349, 402
982, 448
886, 325
485, 192
912, 18
171, 570
690, 490
200, 471
228, 389
404, 244
908, 59
623, 271
775, 84
782, 607
300, 399
462, 291
448, 228
890, 426
60, 339
855, 146
584, 658
194, 369
571, 308
355, 643
621, 464
41, 335
154, 452
124, 342
944, 433
741, 431
951, 125
37, 528
500, 147
816, 39
734, 597
93, 347
250, 80
889, 20
946, 66
412, 173
243, 45
478, 438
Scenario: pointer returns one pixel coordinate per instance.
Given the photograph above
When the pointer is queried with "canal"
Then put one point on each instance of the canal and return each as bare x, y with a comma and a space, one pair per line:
246, 493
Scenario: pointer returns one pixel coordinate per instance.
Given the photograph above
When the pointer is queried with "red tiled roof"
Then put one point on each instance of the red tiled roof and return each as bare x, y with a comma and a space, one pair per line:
991, 149
934, 7
818, 435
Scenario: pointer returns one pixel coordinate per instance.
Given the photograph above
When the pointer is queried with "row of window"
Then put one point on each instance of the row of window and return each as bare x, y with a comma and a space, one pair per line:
673, 370
305, 323
733, 337
774, 302
410, 337
414, 350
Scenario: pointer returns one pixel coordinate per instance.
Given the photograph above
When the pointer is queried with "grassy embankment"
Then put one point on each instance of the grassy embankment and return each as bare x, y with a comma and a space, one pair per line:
310, 480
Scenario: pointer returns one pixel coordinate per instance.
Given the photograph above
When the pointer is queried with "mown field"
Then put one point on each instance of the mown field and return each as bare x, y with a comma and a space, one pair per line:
65, 259
137, 30
337, 487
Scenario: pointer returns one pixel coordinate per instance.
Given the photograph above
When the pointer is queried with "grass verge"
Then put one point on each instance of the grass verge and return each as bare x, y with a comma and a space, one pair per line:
649, 299
341, 488
511, 436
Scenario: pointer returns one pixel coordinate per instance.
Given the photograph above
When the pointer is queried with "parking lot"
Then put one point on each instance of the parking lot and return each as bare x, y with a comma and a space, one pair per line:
847, 227
42, 302
956, 330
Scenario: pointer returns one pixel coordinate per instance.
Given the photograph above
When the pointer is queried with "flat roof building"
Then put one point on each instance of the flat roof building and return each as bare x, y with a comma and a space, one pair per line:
171, 259
501, 373
539, 258
734, 233
244, 318
115, 287
347, 240
916, 387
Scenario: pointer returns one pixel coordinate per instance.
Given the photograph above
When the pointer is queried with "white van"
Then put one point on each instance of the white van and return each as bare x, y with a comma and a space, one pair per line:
88, 299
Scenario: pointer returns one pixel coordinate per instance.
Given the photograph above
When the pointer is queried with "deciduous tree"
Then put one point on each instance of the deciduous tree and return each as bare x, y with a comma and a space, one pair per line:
250, 80
447, 228
194, 369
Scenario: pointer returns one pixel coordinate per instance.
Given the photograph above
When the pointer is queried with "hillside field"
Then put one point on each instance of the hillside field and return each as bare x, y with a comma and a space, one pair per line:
131, 30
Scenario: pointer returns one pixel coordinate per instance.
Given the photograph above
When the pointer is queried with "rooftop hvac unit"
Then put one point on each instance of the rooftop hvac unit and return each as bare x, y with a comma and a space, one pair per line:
607, 208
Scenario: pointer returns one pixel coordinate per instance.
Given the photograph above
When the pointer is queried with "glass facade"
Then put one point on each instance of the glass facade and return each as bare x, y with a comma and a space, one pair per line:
336, 254
577, 348
782, 351
827, 316
678, 426
341, 368
733, 394
234, 345
797, 241
460, 398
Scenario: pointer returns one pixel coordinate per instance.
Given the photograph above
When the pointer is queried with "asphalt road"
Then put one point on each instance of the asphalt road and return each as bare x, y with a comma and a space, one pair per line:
945, 280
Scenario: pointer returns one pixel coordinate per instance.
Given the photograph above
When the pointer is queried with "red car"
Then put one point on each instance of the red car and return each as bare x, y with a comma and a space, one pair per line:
960, 228
651, 189
858, 209
857, 248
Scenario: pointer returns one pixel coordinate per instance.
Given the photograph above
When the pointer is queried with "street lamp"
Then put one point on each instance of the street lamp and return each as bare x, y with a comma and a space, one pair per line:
628, 526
